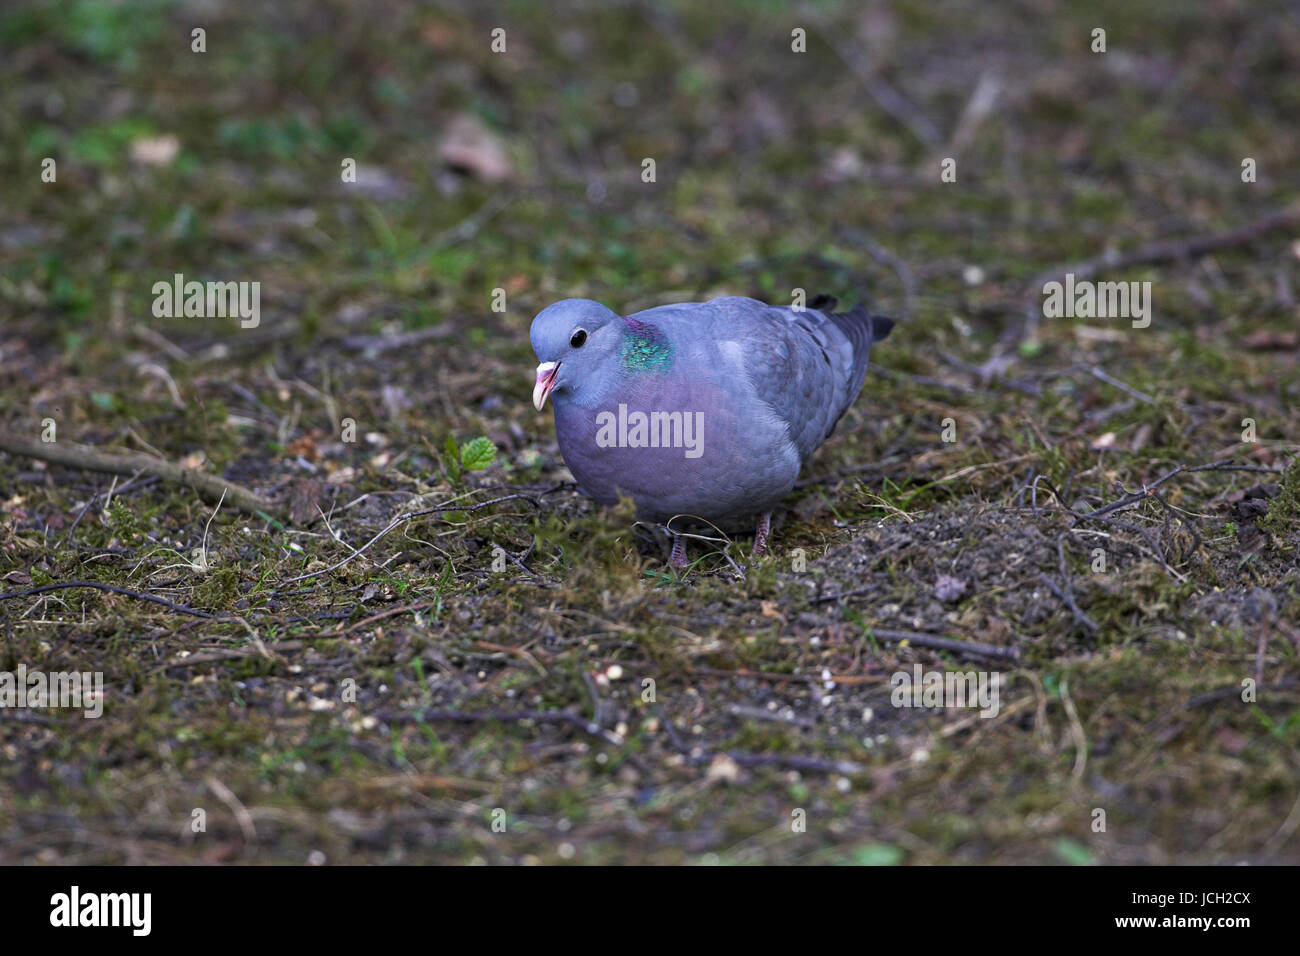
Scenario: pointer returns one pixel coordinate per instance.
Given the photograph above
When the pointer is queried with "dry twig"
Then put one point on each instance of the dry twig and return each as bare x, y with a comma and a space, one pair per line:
86, 458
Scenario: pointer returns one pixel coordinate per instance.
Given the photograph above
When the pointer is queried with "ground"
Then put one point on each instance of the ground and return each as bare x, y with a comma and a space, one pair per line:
1073, 505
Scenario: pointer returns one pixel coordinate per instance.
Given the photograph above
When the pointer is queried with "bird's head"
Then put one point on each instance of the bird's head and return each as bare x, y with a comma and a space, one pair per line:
573, 340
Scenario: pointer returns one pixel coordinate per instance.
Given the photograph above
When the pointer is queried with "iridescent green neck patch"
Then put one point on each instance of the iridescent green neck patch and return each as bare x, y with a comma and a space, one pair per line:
645, 348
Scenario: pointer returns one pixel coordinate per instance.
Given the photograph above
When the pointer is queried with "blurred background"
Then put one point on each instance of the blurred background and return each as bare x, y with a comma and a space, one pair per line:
410, 183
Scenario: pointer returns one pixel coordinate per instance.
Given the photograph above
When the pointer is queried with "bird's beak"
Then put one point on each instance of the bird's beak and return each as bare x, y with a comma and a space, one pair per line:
546, 373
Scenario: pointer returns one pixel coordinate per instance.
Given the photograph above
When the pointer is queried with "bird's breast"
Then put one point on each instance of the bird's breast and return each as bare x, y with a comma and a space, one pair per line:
678, 448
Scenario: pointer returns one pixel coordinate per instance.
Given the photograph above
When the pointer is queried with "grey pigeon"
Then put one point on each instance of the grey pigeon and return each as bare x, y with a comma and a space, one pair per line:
705, 410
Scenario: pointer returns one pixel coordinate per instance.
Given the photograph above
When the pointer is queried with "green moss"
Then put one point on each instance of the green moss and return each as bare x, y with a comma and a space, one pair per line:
123, 521
1283, 517
217, 588
770, 179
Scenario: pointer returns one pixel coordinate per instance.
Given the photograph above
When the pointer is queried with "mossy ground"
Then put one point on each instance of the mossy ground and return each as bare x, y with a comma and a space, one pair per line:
775, 171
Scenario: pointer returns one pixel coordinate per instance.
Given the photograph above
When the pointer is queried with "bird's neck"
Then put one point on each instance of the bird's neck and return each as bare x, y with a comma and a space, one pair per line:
645, 347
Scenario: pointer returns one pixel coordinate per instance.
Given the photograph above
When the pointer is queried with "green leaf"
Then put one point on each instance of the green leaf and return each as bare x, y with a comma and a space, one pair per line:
876, 854
1072, 853
478, 454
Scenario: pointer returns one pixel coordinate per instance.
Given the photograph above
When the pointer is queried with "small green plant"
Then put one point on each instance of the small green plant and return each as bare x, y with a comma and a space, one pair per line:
1072, 853
473, 456
1284, 510
123, 522
876, 854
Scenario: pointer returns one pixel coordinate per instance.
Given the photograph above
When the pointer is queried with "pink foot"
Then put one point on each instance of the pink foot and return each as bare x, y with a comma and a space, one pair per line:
761, 532
678, 557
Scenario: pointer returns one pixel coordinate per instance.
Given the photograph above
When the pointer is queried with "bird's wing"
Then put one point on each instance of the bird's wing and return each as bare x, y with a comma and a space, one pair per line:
799, 363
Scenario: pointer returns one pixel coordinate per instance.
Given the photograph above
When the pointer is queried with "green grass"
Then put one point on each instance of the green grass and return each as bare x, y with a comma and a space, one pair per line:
301, 697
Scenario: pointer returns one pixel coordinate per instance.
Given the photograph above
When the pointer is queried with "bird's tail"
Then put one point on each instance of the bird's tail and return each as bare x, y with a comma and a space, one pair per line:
860, 327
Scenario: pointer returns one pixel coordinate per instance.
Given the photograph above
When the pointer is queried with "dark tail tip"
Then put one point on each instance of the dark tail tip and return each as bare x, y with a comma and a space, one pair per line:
880, 327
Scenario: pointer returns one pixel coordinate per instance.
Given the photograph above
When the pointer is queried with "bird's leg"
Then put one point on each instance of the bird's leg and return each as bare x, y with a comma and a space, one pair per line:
761, 532
678, 557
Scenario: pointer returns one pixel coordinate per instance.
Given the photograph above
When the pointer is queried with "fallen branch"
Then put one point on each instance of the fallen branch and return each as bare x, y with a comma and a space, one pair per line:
1079, 617
969, 648
1066, 593
784, 678
100, 586
86, 458
1100, 375
391, 612
233, 654
1171, 250
1234, 690
703, 755
886, 96
1149, 491
906, 277
504, 717
778, 716
1165, 250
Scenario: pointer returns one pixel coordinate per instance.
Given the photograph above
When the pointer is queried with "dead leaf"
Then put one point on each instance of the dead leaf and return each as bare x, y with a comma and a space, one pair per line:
722, 769
304, 447
1141, 438
470, 147
155, 150
306, 495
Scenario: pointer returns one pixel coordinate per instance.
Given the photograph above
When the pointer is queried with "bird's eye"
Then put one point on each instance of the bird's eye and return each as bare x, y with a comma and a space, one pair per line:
578, 338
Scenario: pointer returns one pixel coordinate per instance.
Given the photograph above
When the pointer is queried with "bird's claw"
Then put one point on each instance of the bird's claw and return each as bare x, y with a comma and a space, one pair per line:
761, 533
678, 558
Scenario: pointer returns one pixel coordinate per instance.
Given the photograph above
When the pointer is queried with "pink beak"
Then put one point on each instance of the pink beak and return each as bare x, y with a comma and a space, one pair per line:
546, 373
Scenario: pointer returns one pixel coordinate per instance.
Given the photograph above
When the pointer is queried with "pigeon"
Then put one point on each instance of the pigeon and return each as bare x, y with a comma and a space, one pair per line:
699, 410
